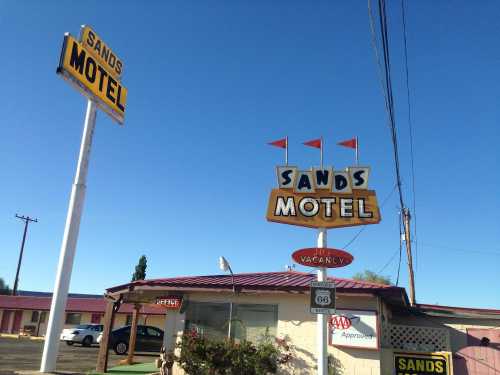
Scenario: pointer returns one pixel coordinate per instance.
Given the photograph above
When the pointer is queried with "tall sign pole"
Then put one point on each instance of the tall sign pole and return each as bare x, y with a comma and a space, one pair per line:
26, 220
322, 319
97, 76
68, 247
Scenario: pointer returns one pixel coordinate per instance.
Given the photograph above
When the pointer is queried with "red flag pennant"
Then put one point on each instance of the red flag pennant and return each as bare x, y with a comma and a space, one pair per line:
314, 143
351, 143
279, 143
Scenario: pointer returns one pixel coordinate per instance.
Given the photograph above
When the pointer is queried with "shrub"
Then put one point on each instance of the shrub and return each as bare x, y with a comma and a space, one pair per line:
200, 355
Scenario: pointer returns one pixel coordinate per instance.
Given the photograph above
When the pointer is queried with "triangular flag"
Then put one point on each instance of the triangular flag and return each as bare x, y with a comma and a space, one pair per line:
279, 143
314, 143
351, 143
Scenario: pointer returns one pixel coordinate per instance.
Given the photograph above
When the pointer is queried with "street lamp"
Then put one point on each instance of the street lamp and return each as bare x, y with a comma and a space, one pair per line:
224, 266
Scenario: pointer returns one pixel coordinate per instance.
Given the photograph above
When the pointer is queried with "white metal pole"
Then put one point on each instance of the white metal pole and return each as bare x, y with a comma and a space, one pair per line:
357, 151
286, 150
322, 328
68, 247
230, 320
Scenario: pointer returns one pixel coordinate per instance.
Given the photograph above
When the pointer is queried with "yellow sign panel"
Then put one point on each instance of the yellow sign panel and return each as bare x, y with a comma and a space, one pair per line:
92, 78
438, 363
323, 208
101, 51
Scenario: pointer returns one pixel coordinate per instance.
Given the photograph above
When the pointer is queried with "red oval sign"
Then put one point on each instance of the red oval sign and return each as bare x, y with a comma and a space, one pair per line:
322, 257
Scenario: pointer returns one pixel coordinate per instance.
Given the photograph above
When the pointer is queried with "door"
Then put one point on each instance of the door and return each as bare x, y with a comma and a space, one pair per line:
4, 326
18, 317
481, 356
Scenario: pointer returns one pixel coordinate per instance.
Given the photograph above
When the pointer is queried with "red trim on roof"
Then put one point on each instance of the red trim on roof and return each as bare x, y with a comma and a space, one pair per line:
458, 309
91, 305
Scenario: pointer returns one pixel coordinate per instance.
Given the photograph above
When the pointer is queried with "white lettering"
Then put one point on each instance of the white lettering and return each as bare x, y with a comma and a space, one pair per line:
346, 207
312, 203
328, 205
285, 209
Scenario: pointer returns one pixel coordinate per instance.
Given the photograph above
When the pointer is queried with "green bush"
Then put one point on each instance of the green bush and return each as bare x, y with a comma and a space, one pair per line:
203, 356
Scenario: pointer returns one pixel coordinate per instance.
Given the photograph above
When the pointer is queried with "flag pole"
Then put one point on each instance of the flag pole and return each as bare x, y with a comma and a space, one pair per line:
286, 150
357, 151
321, 152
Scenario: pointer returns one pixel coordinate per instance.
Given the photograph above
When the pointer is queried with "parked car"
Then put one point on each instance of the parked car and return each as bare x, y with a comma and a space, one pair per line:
85, 334
148, 339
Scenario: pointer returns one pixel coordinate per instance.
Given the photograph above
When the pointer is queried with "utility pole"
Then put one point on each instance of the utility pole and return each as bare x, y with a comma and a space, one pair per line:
26, 220
406, 222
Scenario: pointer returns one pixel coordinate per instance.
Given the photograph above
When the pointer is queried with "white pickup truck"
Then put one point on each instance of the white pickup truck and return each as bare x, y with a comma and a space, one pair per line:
85, 334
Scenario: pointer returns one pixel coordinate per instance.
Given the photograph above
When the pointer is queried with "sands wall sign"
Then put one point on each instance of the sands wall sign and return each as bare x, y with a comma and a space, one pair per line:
323, 198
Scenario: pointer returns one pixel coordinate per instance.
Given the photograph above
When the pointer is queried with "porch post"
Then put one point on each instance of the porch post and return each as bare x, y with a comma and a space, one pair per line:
133, 335
109, 318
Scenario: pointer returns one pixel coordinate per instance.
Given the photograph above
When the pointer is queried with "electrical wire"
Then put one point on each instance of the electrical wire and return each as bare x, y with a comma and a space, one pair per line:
388, 262
400, 248
386, 199
410, 131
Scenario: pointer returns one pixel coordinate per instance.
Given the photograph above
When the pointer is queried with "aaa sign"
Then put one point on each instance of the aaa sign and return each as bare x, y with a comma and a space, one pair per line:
89, 75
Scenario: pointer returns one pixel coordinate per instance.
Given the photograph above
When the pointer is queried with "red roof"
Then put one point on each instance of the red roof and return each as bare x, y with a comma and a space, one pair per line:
264, 281
93, 305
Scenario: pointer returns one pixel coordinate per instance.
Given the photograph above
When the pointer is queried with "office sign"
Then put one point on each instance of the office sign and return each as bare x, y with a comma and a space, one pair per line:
322, 257
169, 302
322, 297
437, 363
101, 51
323, 198
354, 328
79, 66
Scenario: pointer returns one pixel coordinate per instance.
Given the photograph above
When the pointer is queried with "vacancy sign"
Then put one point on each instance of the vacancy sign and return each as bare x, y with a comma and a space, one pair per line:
94, 70
323, 198
354, 328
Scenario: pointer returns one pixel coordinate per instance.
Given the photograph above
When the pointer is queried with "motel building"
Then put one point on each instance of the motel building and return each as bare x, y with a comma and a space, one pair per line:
28, 312
374, 327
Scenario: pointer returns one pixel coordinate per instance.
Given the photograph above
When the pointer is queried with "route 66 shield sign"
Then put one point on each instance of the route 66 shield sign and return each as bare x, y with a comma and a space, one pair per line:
322, 297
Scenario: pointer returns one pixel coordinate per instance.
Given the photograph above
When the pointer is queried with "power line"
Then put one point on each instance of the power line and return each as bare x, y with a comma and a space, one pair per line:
389, 106
386, 199
400, 247
410, 131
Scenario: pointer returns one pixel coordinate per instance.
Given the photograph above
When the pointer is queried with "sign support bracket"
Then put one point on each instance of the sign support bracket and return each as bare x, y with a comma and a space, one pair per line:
68, 247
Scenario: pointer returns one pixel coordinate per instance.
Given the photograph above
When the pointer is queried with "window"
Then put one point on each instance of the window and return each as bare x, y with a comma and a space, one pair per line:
210, 319
254, 322
73, 318
250, 321
153, 332
34, 316
42, 316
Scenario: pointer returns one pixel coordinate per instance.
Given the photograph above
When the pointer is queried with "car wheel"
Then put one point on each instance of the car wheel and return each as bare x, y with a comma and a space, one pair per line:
120, 347
87, 341
69, 343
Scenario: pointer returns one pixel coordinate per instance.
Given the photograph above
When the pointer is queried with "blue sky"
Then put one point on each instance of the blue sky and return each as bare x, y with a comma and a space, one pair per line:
187, 178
